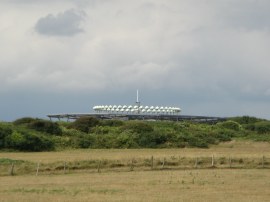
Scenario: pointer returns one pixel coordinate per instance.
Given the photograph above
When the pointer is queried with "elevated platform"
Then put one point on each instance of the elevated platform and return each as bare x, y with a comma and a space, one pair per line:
153, 117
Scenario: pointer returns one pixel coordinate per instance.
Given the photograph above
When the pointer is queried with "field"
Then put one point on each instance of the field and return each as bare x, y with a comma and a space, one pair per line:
141, 183
184, 185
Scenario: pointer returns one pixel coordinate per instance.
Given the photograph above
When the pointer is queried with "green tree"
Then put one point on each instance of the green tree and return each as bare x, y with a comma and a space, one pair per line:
46, 126
84, 124
4, 132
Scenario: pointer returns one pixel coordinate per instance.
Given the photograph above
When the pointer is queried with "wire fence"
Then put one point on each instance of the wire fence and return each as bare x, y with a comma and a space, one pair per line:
19, 167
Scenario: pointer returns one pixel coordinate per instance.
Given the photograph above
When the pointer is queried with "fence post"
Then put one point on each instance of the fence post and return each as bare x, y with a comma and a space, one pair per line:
163, 164
262, 161
152, 163
132, 165
213, 162
99, 164
65, 164
11, 172
38, 164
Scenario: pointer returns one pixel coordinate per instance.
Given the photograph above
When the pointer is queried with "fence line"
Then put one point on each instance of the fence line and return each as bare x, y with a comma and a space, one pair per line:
152, 163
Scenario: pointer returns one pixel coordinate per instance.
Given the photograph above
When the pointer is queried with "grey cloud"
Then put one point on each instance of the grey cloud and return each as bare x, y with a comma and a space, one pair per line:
210, 58
250, 15
62, 24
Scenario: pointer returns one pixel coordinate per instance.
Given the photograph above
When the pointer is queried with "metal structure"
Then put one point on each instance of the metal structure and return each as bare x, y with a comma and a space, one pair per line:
136, 112
137, 109
150, 117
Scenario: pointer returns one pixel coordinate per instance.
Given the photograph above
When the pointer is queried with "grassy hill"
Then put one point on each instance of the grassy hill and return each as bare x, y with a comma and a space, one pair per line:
30, 134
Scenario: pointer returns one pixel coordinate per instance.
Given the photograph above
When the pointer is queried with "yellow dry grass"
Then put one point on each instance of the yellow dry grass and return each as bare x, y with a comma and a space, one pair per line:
141, 185
164, 186
234, 149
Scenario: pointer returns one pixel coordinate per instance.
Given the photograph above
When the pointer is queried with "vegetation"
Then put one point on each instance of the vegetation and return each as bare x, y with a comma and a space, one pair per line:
106, 175
227, 155
184, 185
29, 134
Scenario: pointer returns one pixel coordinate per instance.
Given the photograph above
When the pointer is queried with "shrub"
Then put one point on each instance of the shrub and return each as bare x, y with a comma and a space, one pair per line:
151, 139
71, 132
87, 141
126, 140
37, 143
223, 134
46, 126
84, 124
196, 141
249, 126
180, 126
105, 141
112, 123
28, 142
15, 140
230, 125
138, 127
4, 132
101, 130
24, 120
246, 120
262, 127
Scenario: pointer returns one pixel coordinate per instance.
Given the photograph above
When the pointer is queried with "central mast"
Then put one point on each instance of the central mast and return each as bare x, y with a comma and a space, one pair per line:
138, 102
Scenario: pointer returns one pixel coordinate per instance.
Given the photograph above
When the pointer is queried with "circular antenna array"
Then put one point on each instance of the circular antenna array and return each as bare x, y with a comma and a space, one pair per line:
135, 109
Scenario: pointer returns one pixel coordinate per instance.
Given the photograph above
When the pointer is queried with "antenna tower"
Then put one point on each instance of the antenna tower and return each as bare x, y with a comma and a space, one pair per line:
138, 103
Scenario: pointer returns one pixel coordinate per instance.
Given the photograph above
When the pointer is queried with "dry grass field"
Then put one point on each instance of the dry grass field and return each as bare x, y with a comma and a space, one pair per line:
143, 183
163, 186
234, 149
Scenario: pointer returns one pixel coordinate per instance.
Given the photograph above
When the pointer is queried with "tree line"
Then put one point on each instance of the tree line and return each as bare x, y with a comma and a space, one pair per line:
32, 134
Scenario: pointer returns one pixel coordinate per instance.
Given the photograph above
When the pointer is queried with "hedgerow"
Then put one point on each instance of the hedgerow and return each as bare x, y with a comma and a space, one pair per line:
29, 134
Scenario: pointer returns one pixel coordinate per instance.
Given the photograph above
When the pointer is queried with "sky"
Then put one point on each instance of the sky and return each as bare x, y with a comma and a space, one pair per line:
207, 57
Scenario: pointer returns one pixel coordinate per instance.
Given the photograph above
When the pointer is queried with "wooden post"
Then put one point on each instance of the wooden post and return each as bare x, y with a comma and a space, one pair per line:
163, 164
230, 161
99, 164
132, 165
152, 163
38, 164
262, 161
65, 164
11, 172
213, 162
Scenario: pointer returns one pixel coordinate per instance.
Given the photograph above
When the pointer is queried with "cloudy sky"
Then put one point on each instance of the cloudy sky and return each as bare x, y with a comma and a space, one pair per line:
208, 57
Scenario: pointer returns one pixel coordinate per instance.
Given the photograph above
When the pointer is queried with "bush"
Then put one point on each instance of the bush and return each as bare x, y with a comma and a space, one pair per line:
249, 126
15, 140
112, 123
87, 141
223, 135
126, 140
100, 130
46, 126
71, 132
230, 125
138, 127
150, 139
84, 124
196, 141
25, 120
4, 132
262, 127
246, 120
28, 142
105, 141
